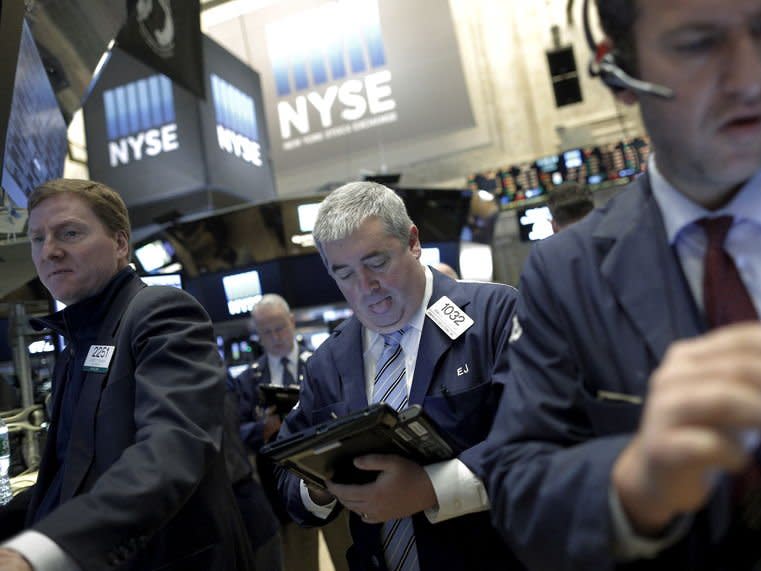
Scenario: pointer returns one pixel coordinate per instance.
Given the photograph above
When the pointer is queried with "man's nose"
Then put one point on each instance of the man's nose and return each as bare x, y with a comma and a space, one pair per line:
742, 74
367, 282
50, 249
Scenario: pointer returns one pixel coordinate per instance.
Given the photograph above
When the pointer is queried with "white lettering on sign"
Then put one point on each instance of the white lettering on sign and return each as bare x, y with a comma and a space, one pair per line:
148, 143
355, 98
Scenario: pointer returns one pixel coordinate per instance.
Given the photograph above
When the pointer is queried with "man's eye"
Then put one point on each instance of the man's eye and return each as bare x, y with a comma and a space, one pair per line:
343, 275
378, 264
696, 44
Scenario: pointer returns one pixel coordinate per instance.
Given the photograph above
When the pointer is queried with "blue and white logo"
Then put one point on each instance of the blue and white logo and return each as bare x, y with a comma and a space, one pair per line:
140, 120
237, 129
326, 61
327, 44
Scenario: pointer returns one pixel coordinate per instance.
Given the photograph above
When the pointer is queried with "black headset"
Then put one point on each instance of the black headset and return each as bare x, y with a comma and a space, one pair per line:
606, 67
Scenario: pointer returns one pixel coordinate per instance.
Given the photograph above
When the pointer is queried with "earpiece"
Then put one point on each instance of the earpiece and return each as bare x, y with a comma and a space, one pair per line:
605, 66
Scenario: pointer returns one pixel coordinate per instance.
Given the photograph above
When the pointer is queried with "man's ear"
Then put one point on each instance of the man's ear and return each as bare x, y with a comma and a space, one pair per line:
414, 242
122, 245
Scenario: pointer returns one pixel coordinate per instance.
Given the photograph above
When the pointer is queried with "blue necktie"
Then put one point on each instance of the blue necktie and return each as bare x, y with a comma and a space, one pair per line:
390, 387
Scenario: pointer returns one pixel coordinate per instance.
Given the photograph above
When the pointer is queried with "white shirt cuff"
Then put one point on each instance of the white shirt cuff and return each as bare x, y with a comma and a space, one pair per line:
628, 545
321, 512
458, 491
42, 553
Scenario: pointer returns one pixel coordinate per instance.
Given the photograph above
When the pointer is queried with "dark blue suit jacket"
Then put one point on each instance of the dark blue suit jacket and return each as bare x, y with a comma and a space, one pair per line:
246, 387
144, 482
463, 406
600, 304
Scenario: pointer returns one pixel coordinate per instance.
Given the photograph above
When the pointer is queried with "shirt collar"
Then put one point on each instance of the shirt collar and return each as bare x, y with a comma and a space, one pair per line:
678, 211
293, 357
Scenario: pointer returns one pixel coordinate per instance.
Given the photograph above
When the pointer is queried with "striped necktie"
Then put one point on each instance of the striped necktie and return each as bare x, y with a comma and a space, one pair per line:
390, 387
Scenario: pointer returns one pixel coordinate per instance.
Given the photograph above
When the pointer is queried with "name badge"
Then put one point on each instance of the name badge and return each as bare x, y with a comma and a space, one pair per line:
98, 358
449, 317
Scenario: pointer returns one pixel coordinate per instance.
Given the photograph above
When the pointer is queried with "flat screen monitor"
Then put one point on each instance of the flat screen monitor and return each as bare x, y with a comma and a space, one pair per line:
534, 223
154, 255
439, 214
573, 159
550, 175
35, 138
307, 214
172, 280
242, 291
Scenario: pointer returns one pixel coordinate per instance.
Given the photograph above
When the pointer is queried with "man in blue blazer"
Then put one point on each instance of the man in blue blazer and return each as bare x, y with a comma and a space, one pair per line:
283, 363
132, 477
627, 432
371, 248
272, 319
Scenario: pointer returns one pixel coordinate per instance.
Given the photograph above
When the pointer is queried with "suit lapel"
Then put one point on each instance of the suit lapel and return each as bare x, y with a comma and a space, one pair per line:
81, 448
433, 341
351, 371
644, 273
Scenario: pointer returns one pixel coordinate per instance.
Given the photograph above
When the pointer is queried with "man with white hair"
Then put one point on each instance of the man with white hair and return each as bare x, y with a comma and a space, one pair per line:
394, 350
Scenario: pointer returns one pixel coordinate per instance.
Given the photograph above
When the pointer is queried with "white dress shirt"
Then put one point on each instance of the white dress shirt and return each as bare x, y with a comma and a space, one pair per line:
458, 490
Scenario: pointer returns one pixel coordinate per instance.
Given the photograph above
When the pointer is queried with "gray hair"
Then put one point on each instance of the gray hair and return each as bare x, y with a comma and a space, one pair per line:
269, 300
348, 206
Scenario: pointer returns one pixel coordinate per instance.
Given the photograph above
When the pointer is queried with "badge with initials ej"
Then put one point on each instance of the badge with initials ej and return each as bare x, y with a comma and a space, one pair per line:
449, 317
98, 358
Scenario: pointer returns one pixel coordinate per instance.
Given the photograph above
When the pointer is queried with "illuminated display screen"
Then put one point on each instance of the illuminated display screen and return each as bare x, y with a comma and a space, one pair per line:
154, 255
535, 223
172, 280
242, 291
307, 214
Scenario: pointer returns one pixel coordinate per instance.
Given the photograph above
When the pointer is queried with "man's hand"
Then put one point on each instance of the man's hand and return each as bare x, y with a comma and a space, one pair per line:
706, 392
272, 423
13, 561
401, 489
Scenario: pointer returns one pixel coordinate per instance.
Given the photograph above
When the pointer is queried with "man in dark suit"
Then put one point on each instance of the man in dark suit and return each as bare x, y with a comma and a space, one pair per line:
283, 363
132, 476
394, 350
627, 436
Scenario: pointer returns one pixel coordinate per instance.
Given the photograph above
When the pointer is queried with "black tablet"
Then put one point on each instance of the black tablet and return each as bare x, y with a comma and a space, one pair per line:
326, 451
282, 398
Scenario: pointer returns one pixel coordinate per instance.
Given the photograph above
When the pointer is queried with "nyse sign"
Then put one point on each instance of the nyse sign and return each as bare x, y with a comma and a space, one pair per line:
140, 120
330, 72
237, 127
149, 143
354, 98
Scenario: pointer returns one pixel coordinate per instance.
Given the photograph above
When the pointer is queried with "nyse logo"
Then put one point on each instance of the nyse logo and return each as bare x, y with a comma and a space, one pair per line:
140, 120
237, 131
328, 67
